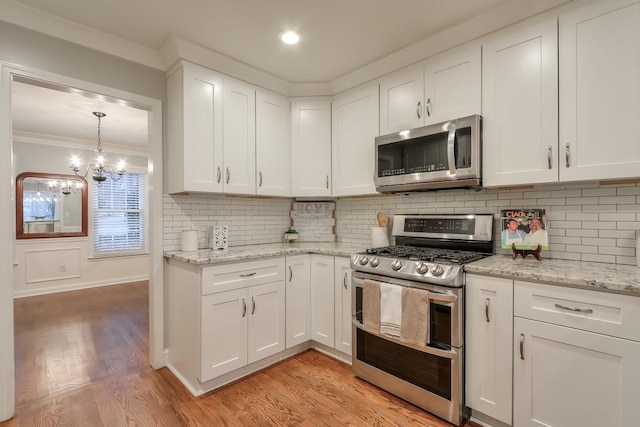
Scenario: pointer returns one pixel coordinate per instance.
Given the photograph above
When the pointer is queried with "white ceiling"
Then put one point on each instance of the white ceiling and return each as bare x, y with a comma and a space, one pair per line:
338, 36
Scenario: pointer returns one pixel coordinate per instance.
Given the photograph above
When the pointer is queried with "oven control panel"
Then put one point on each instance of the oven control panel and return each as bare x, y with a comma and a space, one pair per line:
420, 271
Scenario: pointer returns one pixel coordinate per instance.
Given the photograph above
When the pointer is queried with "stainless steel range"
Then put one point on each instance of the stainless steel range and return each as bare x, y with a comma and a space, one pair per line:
429, 255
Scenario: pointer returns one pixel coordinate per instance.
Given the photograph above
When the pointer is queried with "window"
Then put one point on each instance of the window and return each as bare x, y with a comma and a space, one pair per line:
119, 216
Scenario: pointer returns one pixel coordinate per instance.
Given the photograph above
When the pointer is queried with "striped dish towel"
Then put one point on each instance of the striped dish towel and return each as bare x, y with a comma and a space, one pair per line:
390, 309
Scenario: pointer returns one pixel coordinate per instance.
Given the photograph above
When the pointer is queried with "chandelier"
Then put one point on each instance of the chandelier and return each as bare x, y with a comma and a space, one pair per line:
99, 170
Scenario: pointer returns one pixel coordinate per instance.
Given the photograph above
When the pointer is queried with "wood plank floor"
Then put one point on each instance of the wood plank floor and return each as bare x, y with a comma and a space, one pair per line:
81, 360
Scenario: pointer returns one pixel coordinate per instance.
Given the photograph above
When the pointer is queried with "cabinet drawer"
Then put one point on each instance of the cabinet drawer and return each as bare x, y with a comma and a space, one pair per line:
610, 314
226, 277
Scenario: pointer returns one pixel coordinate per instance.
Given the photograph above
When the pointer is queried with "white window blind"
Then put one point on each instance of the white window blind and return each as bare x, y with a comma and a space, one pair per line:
119, 215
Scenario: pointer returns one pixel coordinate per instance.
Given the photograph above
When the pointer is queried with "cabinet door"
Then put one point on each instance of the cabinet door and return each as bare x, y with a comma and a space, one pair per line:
224, 333
453, 85
600, 91
342, 282
489, 331
195, 130
298, 291
273, 145
566, 377
266, 320
311, 148
239, 137
322, 299
520, 105
401, 103
354, 128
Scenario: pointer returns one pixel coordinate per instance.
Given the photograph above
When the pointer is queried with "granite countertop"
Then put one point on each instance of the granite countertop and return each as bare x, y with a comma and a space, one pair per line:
623, 279
240, 253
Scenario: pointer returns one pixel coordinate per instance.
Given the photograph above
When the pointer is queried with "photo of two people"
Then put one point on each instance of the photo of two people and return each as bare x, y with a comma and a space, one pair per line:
524, 227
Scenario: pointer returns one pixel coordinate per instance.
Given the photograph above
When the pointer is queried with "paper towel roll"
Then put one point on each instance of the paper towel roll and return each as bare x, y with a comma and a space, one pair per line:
379, 237
189, 241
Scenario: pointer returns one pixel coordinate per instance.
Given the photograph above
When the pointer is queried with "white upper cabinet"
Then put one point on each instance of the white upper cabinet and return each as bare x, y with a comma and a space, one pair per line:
520, 105
453, 84
354, 128
444, 87
310, 148
401, 100
273, 145
239, 137
194, 142
600, 91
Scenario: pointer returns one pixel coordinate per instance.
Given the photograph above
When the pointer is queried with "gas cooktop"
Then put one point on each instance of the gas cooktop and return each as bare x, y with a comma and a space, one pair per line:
414, 253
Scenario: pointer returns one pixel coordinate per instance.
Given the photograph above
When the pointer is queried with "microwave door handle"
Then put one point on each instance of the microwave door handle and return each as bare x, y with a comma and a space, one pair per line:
451, 154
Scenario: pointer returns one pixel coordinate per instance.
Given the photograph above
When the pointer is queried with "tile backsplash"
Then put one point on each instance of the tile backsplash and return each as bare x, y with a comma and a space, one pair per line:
585, 222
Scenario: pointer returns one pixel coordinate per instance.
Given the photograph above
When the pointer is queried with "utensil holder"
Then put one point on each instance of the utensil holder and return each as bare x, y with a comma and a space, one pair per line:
379, 236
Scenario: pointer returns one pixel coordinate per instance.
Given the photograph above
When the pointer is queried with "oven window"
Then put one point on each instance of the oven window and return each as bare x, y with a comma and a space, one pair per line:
424, 370
440, 326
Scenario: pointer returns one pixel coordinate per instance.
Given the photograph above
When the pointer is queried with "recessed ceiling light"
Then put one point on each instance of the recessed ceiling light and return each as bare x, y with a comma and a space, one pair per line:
289, 37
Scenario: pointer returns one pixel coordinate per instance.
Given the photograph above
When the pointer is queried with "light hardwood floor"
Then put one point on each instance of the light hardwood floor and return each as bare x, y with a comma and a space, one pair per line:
81, 360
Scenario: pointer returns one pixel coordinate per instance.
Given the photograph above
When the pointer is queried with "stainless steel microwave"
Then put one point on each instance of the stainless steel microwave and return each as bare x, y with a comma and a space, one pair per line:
444, 155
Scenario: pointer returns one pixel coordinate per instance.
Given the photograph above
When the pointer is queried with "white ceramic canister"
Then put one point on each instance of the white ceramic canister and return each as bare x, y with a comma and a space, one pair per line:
189, 240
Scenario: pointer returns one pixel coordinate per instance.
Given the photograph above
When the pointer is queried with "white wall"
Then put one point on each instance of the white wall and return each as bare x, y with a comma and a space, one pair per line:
61, 264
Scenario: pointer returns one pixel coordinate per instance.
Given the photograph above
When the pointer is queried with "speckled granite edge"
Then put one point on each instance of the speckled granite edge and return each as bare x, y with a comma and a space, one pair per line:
240, 253
624, 279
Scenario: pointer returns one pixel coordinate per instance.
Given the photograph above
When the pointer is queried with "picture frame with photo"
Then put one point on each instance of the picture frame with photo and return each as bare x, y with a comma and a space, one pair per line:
526, 228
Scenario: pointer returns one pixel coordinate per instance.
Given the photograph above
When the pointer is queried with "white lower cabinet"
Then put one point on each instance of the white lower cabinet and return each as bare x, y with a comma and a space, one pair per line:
342, 294
298, 290
322, 300
222, 318
489, 331
565, 374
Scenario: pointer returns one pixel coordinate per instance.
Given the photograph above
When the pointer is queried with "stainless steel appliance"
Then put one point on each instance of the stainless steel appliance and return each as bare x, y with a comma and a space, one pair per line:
430, 253
444, 155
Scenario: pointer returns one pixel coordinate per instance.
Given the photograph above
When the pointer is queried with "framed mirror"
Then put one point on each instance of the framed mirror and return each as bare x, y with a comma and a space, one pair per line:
50, 205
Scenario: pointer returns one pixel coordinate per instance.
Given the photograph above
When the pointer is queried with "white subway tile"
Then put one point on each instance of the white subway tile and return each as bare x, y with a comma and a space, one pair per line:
599, 258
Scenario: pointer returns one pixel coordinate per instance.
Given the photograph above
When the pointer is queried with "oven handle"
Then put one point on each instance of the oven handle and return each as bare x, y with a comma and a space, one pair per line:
449, 354
451, 153
441, 298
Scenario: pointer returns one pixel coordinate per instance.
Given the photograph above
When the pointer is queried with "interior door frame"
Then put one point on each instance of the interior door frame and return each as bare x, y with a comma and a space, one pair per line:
7, 220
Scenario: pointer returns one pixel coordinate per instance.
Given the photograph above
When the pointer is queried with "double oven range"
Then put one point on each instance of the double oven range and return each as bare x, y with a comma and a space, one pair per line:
429, 254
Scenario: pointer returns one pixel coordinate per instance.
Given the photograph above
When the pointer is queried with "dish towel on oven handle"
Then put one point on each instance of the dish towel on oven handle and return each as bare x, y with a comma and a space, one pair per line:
371, 306
390, 309
414, 326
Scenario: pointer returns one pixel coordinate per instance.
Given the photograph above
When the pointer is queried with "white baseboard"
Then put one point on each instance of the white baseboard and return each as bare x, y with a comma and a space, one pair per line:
77, 286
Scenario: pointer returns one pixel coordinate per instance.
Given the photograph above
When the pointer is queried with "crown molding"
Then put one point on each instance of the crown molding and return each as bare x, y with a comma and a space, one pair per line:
79, 144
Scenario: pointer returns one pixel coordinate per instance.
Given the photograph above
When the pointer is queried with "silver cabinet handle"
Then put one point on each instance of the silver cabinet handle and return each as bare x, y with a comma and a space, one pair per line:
578, 310
327, 181
522, 346
290, 273
248, 274
228, 175
486, 310
260, 175
253, 305
451, 153
567, 155
244, 307
429, 107
344, 280
219, 175
549, 157
419, 110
